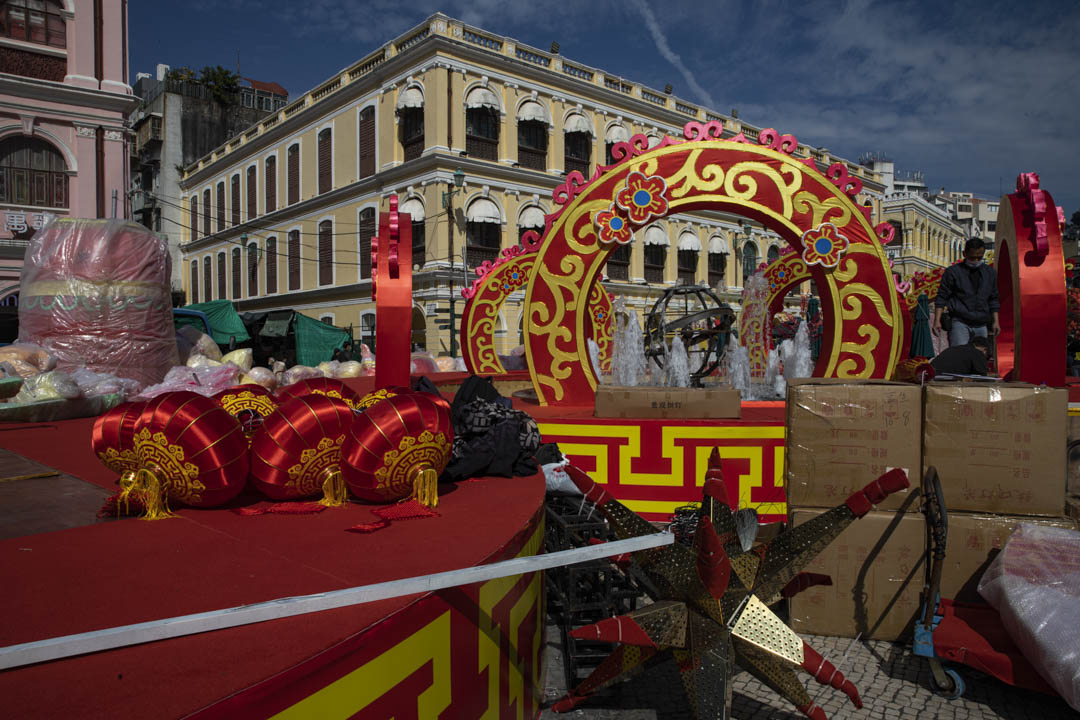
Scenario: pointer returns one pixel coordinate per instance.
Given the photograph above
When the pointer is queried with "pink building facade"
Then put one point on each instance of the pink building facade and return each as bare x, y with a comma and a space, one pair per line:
64, 102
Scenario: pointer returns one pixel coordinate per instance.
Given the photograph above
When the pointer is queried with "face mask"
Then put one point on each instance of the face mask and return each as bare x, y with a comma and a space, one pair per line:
971, 264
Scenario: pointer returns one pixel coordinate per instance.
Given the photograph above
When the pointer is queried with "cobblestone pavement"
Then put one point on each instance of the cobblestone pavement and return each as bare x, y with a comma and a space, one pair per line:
893, 683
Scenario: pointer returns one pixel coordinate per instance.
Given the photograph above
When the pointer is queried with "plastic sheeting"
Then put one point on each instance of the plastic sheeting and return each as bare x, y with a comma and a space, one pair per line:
96, 294
1034, 583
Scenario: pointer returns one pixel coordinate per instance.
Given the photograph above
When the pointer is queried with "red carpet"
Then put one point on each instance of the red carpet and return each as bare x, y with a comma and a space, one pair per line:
131, 571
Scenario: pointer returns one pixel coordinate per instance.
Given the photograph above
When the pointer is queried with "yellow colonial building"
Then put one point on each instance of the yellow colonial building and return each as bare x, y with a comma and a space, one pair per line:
282, 215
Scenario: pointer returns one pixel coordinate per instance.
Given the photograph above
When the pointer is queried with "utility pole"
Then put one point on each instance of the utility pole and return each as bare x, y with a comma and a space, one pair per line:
448, 204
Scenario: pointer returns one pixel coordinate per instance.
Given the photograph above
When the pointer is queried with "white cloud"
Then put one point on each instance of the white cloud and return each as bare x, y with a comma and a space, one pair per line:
670, 55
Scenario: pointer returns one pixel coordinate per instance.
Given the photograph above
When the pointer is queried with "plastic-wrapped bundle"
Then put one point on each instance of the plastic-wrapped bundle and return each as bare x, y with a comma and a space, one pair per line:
1034, 583
95, 293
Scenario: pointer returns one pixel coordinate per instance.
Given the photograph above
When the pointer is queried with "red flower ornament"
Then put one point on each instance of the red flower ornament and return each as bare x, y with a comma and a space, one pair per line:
612, 226
823, 245
643, 197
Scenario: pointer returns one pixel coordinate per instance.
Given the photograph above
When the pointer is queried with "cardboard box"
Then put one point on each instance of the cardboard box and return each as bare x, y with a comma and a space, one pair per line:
842, 435
878, 569
998, 447
974, 540
652, 402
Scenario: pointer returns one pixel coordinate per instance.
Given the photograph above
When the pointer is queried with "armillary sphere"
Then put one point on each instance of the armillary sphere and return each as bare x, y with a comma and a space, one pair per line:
698, 316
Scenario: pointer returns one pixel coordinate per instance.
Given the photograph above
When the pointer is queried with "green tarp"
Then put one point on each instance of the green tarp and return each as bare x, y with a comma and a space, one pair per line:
225, 323
276, 328
316, 341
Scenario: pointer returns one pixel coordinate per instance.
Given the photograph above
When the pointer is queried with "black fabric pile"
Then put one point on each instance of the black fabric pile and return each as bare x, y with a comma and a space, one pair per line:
490, 437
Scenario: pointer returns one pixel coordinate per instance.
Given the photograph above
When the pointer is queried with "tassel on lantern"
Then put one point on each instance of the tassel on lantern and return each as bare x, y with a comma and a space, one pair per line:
426, 487
146, 489
335, 494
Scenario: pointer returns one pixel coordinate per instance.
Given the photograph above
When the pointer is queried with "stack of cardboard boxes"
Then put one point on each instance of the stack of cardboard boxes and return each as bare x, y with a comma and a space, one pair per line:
1000, 453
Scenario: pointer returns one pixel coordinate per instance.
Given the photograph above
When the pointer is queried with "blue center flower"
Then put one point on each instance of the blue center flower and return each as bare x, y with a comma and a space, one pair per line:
823, 245
514, 276
642, 198
780, 274
616, 224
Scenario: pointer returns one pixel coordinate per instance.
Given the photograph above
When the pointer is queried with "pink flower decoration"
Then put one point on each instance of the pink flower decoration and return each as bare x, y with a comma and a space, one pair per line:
643, 197
823, 245
612, 226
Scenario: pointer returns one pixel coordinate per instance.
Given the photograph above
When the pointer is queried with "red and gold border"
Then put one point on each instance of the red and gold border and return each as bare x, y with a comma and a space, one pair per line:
470, 651
655, 466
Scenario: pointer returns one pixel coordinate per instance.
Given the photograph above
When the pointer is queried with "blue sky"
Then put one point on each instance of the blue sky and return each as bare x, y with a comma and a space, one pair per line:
971, 93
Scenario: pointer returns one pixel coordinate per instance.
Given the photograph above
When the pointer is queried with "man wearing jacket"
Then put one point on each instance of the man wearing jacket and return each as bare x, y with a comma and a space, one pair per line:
969, 291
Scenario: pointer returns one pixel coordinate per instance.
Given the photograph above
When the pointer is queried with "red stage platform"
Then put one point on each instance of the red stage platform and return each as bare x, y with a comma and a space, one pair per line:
463, 652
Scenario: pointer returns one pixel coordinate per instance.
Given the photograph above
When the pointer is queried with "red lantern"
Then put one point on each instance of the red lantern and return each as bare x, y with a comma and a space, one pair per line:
113, 437
398, 448
329, 387
249, 404
190, 450
381, 394
297, 451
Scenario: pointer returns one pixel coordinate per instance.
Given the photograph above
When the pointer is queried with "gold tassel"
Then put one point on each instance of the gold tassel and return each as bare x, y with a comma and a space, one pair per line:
334, 492
426, 487
153, 490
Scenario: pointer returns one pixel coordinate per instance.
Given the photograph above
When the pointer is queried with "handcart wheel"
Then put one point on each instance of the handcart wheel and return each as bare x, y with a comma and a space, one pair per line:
956, 685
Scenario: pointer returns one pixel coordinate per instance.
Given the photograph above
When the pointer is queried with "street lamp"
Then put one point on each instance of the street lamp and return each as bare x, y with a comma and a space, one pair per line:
448, 205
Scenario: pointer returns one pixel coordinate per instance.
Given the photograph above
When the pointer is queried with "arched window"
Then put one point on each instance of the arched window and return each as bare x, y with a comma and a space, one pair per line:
220, 190
689, 247
718, 256
194, 281
235, 191
206, 229
326, 156
366, 143
294, 260
749, 260
531, 218
618, 263
532, 136
772, 254
483, 232
270, 184
194, 223
367, 231
577, 137
415, 208
237, 275
292, 160
36, 21
410, 110
252, 196
615, 134
221, 286
482, 124
271, 265
326, 252
208, 279
32, 172
253, 269
656, 248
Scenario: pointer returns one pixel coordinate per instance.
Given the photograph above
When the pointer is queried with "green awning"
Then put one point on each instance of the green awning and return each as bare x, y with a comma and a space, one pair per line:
276, 328
225, 323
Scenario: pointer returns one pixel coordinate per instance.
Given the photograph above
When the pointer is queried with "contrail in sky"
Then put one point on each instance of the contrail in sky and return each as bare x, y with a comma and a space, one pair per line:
670, 55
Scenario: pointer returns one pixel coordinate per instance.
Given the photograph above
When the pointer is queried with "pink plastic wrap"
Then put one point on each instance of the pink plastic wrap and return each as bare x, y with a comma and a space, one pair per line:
422, 363
95, 293
1034, 583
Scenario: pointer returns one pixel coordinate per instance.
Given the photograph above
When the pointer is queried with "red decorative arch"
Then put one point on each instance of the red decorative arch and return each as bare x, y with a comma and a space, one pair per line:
1031, 270
814, 212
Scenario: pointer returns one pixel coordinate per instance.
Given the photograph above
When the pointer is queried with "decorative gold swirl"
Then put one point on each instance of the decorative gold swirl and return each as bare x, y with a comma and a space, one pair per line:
846, 270
741, 174
848, 368
848, 298
688, 177
831, 209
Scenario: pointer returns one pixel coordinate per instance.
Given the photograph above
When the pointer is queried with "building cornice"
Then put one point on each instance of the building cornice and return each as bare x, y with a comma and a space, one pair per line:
58, 92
